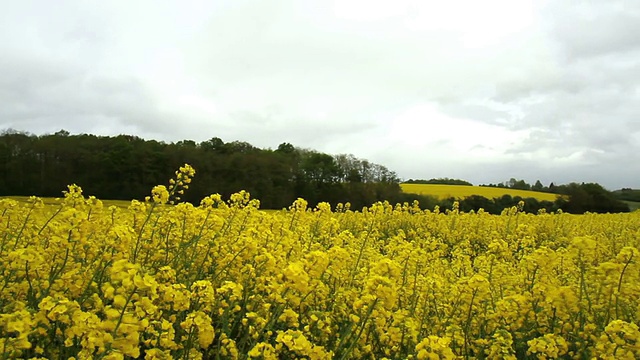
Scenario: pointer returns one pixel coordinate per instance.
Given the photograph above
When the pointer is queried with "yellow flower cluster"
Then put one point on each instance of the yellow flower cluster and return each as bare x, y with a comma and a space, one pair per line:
225, 280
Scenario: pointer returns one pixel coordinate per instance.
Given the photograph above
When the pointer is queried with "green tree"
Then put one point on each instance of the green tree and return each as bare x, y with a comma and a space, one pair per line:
538, 186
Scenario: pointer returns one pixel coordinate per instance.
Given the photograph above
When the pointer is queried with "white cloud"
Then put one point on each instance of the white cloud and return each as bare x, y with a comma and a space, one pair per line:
485, 90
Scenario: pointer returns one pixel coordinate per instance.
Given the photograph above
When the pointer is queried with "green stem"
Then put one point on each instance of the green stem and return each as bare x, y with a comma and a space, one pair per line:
620, 283
124, 308
135, 251
364, 325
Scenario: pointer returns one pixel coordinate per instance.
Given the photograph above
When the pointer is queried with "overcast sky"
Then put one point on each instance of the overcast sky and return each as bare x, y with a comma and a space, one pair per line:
480, 90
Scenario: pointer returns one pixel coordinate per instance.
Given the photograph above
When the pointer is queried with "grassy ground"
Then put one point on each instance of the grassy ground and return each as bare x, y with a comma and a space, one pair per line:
462, 191
633, 205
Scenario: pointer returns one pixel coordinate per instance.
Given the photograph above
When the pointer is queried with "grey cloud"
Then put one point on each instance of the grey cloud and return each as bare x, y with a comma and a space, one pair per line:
49, 96
272, 129
478, 112
595, 28
589, 105
612, 73
596, 49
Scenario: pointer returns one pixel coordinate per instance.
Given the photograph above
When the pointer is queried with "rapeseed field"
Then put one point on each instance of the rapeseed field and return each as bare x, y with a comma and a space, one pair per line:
442, 191
224, 280
58, 201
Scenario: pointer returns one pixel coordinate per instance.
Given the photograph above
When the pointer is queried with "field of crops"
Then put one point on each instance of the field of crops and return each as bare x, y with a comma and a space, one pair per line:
224, 280
58, 201
462, 191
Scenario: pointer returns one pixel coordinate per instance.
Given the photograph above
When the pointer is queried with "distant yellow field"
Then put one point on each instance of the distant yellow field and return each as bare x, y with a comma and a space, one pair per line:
462, 191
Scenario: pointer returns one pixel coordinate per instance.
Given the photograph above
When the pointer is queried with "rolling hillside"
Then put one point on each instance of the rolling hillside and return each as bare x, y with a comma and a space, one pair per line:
462, 191
633, 205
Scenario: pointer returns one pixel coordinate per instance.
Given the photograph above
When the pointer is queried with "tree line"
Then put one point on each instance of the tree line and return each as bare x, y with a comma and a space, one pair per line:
578, 197
514, 183
628, 194
126, 167
439, 181
575, 199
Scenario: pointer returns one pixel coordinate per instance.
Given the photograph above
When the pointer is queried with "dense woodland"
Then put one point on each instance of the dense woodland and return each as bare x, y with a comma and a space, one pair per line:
127, 167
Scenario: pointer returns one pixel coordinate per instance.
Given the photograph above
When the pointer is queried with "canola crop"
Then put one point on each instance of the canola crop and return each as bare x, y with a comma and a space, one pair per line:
224, 280
443, 191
